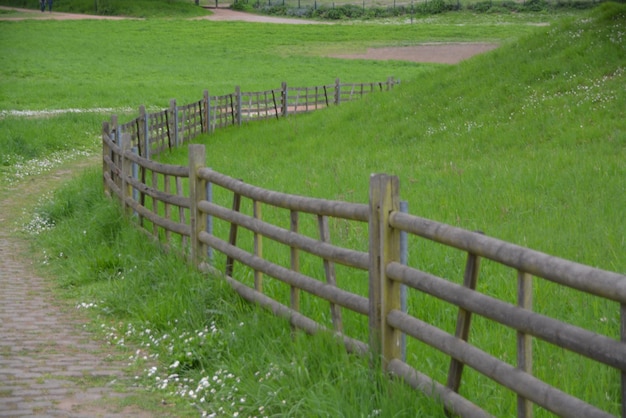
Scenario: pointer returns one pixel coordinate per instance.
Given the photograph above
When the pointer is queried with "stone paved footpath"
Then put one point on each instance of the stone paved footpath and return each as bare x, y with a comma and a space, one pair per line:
49, 365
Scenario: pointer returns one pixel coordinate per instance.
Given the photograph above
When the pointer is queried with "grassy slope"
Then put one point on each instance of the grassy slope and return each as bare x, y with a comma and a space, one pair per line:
526, 143
116, 66
535, 128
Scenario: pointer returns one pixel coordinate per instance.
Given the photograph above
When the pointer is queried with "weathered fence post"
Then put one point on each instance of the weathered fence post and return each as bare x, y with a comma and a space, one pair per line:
174, 124
384, 247
106, 152
210, 114
126, 172
135, 176
337, 91
207, 111
197, 159
283, 96
238, 105
232, 236
144, 130
463, 321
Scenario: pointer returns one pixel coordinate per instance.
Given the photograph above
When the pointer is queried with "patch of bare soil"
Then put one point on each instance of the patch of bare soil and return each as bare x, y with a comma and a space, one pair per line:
445, 53
221, 14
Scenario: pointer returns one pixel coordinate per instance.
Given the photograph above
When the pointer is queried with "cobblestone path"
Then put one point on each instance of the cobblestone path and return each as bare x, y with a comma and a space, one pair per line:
49, 365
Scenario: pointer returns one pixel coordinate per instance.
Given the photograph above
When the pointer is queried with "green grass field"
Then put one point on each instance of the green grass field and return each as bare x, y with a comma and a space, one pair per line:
525, 143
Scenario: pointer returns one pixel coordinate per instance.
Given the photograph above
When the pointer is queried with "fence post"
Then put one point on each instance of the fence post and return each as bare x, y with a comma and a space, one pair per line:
135, 173
463, 322
238, 105
174, 124
210, 128
337, 91
207, 112
283, 95
144, 128
115, 128
389, 83
197, 160
127, 171
106, 152
384, 247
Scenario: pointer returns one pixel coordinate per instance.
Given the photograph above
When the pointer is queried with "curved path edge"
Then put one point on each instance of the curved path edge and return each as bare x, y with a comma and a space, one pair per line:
50, 365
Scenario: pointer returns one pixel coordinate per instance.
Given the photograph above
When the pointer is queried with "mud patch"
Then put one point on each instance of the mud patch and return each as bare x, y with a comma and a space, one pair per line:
442, 53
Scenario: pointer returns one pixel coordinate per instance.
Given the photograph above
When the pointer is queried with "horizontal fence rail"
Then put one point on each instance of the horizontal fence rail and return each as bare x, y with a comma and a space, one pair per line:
203, 212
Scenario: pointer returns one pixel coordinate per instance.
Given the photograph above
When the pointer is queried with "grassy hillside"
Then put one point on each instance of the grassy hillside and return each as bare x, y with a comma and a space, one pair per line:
507, 142
526, 143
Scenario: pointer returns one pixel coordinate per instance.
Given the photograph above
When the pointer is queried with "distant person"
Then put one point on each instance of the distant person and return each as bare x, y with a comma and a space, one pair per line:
49, 5
42, 5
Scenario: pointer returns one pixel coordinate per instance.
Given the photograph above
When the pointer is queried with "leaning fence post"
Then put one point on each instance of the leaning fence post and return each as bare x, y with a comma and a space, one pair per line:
197, 160
463, 322
384, 247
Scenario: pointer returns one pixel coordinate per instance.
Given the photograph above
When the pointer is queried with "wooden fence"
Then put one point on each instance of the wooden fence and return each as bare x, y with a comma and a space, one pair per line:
153, 133
179, 200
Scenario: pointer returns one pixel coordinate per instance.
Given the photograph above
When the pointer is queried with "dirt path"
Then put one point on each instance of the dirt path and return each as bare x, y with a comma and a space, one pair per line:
49, 365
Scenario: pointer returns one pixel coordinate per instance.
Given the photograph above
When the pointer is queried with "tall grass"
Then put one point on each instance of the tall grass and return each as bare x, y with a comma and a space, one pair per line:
95, 68
525, 143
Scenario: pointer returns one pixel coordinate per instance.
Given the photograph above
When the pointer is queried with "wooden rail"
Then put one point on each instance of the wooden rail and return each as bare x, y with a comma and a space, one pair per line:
145, 188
